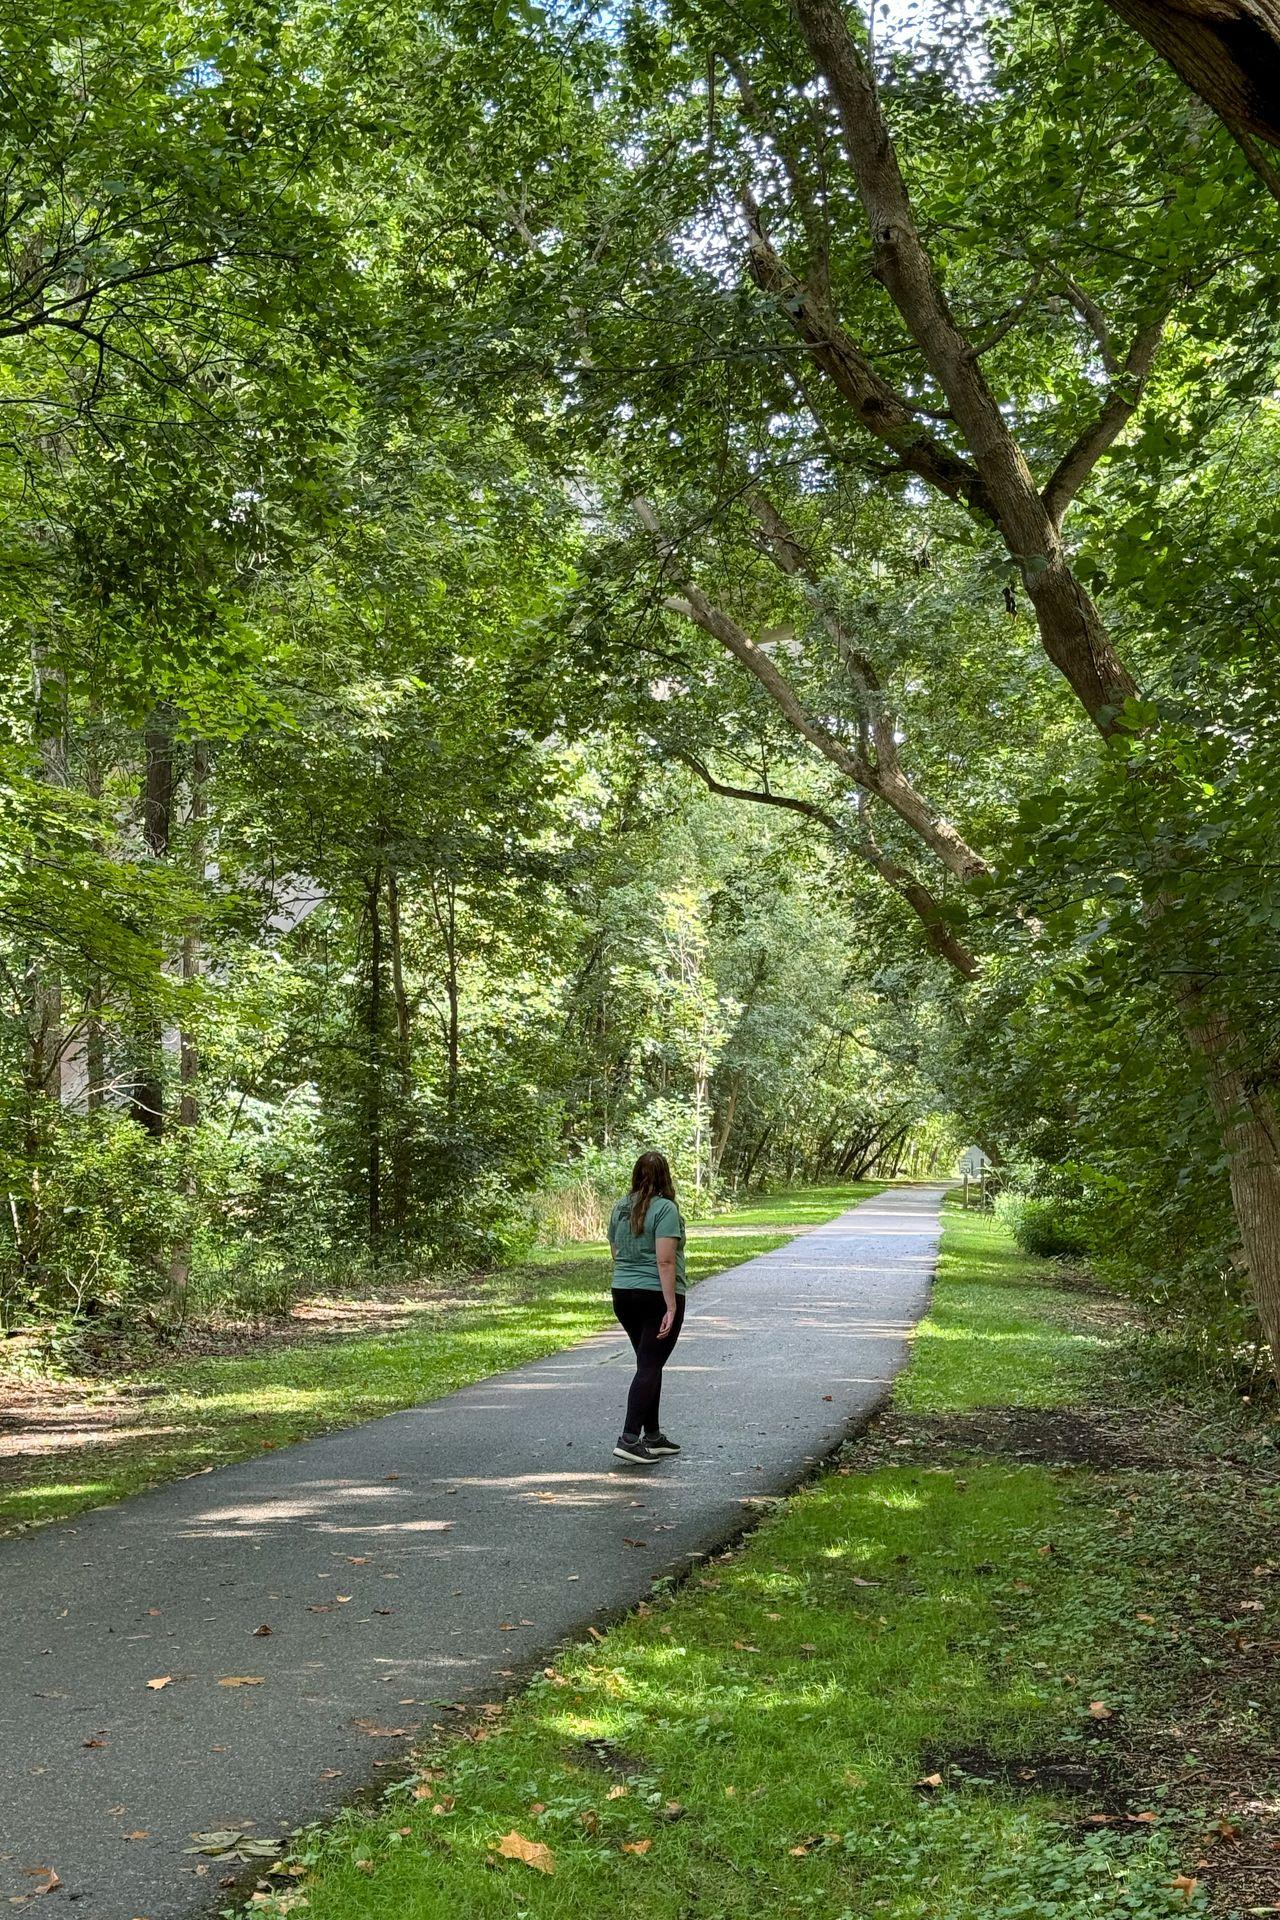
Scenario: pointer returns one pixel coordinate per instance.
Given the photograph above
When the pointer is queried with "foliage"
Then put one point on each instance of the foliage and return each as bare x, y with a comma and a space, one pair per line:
403, 826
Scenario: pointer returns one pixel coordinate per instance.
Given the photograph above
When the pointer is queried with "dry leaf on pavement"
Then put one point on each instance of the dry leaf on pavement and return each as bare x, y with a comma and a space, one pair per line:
163, 1680
241, 1680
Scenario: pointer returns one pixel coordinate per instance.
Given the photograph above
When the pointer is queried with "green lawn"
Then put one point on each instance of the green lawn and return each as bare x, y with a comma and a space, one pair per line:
208, 1411
798, 1207
831, 1723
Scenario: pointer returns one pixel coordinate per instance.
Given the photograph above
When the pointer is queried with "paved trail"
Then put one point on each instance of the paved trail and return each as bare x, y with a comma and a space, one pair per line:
387, 1561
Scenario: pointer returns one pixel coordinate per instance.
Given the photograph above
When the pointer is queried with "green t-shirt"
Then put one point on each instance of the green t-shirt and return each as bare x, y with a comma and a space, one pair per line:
635, 1255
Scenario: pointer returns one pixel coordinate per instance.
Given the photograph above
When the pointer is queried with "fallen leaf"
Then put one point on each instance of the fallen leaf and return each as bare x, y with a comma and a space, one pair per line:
539, 1806
139, 1833
514, 1846
617, 1793
673, 1809
385, 1733
1185, 1883
1142, 1819
590, 1819
857, 1582
164, 1680
241, 1680
930, 1780
343, 1599
358, 1559
93, 1743
48, 1877
798, 1851
1147, 1619
595, 1633
634, 1543
331, 1773
828, 1396
261, 1633
636, 1846
1099, 1711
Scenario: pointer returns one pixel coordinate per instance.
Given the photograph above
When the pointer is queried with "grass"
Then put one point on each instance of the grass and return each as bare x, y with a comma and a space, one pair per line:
872, 1706
798, 1207
195, 1413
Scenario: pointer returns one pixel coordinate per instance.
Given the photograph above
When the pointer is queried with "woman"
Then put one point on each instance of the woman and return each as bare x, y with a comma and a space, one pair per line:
646, 1244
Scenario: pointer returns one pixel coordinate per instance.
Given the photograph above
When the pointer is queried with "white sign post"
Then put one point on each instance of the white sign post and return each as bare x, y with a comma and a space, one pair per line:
973, 1165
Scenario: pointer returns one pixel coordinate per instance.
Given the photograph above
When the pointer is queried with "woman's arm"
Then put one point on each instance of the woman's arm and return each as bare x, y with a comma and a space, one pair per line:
665, 1248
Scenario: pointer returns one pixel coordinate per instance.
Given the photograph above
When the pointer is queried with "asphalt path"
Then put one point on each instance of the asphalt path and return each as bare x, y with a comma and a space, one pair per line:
422, 1561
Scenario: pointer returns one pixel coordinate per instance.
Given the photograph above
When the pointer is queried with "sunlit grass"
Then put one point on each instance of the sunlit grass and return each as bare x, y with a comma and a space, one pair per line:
771, 1721
998, 1331
798, 1207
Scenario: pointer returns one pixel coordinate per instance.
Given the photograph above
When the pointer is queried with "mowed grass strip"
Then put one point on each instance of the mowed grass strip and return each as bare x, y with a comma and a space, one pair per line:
207, 1412
779, 1735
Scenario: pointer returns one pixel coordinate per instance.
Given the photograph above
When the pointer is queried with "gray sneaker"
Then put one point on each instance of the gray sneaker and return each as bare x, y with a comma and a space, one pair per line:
638, 1452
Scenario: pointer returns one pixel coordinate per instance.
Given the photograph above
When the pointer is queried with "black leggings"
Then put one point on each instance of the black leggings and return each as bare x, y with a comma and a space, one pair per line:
640, 1311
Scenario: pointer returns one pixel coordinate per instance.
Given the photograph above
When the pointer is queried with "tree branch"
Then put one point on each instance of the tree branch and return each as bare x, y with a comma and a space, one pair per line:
886, 782
1071, 630
880, 409
924, 904
1122, 401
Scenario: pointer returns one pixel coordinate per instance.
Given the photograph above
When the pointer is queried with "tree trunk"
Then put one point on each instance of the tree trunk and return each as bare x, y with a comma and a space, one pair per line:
188, 1051
725, 1126
373, 1097
1227, 51
1250, 1129
402, 1139
444, 897
158, 785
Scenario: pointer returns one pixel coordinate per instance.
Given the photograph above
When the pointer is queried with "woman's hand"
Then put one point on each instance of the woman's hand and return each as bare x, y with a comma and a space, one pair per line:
666, 1323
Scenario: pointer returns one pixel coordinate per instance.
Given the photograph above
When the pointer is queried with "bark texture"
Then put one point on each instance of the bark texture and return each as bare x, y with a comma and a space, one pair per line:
1227, 51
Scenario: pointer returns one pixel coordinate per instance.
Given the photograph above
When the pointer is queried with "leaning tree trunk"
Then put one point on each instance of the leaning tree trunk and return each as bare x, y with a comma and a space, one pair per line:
1250, 1130
1227, 51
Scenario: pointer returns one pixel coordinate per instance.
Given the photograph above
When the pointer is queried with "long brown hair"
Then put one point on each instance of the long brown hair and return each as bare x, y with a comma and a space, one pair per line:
650, 1175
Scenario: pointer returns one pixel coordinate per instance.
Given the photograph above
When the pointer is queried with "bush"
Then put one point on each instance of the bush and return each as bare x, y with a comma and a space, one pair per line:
1046, 1228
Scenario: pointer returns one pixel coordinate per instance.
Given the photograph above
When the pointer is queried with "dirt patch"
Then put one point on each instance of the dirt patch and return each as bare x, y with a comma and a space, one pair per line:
614, 1759
1109, 1439
1087, 1773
